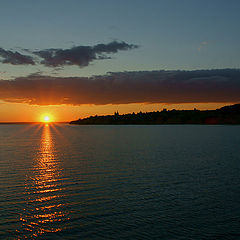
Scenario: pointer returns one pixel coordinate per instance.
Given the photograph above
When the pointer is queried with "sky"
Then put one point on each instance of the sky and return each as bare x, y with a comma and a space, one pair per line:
71, 59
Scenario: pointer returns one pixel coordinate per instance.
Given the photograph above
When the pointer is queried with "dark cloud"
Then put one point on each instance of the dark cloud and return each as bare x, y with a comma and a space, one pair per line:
126, 87
80, 55
15, 58
56, 57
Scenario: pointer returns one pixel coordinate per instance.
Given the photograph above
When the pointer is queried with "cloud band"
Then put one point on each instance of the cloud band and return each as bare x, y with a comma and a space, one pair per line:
126, 87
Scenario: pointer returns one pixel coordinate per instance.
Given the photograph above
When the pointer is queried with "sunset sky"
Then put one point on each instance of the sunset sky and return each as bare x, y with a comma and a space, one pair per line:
71, 59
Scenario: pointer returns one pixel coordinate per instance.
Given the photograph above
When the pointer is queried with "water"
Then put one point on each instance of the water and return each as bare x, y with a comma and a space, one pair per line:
119, 182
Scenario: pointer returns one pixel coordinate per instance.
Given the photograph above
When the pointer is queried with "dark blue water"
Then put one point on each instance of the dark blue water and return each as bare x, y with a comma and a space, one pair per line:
119, 182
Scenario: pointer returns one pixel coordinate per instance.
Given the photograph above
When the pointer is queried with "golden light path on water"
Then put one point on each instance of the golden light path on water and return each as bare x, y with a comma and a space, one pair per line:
45, 208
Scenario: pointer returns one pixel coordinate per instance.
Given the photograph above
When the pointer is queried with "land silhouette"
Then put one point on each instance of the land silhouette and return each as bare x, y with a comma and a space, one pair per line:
225, 115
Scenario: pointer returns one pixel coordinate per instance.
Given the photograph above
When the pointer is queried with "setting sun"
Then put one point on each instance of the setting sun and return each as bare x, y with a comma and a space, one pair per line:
46, 118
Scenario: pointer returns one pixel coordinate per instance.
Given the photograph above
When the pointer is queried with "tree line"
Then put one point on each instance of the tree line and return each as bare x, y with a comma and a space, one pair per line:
225, 115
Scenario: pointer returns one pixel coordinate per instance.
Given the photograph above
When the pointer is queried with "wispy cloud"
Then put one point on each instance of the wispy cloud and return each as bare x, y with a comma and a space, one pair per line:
202, 45
126, 87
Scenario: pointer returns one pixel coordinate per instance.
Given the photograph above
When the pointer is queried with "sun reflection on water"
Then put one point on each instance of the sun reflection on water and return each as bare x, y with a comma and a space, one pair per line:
45, 208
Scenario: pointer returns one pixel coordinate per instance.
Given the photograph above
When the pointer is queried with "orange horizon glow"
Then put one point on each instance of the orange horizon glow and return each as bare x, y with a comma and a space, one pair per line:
20, 112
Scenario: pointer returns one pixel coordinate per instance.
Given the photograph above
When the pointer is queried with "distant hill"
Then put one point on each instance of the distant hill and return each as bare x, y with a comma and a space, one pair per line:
225, 115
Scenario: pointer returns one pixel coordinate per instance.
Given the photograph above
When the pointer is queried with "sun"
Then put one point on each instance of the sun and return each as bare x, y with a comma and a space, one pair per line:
46, 118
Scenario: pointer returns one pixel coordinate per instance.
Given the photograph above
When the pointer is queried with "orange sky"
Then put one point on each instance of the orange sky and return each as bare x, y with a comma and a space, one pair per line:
20, 112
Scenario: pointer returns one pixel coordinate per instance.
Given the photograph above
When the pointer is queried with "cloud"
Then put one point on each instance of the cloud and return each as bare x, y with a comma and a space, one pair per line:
202, 45
15, 58
197, 86
57, 57
80, 55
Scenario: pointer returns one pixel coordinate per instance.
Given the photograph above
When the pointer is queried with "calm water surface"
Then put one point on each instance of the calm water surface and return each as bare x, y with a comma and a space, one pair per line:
119, 182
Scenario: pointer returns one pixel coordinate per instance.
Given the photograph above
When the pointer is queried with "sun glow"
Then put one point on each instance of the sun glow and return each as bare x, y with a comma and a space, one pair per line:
46, 118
